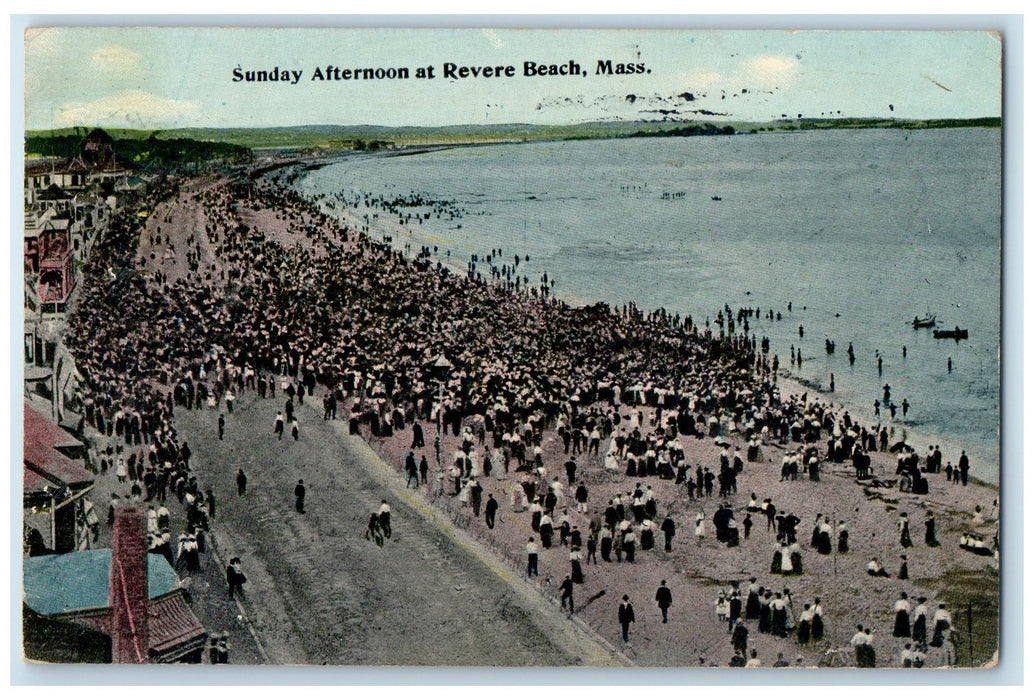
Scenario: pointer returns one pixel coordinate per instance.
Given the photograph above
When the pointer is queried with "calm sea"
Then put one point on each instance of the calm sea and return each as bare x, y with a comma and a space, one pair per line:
860, 230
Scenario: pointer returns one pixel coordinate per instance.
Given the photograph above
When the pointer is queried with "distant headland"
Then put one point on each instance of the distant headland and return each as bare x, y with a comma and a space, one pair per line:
373, 138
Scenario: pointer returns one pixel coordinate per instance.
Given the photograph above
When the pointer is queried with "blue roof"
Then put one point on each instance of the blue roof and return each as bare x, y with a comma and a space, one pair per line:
62, 583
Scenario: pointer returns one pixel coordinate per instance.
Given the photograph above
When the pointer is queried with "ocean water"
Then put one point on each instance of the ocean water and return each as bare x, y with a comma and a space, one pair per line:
859, 230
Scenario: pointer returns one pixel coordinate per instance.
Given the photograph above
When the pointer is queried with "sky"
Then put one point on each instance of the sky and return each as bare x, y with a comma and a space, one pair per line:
159, 78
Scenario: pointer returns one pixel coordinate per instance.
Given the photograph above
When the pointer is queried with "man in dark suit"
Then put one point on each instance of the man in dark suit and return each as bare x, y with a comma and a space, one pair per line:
299, 497
668, 528
567, 594
490, 508
663, 598
626, 616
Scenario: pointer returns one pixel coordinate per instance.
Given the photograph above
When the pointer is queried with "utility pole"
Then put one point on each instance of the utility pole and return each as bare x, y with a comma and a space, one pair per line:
440, 369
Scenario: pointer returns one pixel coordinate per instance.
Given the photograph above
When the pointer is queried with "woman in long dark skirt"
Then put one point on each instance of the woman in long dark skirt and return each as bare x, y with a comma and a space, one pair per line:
765, 615
546, 533
825, 545
606, 543
941, 626
628, 546
804, 625
576, 566
906, 538
931, 531
815, 532
753, 606
779, 617
919, 624
818, 628
796, 562
902, 625
646, 539
903, 571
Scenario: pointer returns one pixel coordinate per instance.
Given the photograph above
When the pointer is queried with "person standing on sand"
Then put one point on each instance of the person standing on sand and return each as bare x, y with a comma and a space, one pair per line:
491, 506
739, 639
533, 557
567, 594
278, 426
411, 470
906, 538
299, 497
373, 530
919, 622
931, 530
664, 600
235, 578
864, 651
962, 472
384, 517
222, 425
242, 483
842, 536
668, 528
902, 614
626, 616
475, 496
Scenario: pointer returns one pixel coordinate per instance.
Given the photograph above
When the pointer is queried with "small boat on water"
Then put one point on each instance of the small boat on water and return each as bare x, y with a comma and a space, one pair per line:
956, 334
925, 322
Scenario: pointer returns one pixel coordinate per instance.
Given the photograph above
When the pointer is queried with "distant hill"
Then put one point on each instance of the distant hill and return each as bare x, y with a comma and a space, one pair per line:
370, 137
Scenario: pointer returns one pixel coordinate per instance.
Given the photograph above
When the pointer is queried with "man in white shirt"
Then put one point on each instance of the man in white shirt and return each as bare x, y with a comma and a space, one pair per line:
533, 557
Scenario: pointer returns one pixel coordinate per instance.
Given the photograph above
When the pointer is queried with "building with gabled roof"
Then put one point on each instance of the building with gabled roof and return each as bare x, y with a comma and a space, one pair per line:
132, 598
54, 487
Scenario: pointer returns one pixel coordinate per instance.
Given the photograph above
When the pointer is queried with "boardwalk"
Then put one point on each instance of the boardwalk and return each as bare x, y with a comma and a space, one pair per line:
319, 592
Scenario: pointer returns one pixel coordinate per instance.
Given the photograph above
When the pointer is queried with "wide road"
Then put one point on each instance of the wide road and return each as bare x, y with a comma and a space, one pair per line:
319, 592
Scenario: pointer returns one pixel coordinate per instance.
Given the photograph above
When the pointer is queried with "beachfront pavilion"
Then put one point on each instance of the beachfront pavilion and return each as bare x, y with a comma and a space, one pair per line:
54, 488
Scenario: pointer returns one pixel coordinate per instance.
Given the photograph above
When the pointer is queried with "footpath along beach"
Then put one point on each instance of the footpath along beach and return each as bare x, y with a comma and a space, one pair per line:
321, 592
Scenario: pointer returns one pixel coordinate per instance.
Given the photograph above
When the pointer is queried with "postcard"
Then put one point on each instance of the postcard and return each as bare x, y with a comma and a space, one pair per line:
501, 347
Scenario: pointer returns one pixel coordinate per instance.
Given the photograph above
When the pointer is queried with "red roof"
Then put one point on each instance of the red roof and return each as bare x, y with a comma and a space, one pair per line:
40, 429
171, 623
44, 465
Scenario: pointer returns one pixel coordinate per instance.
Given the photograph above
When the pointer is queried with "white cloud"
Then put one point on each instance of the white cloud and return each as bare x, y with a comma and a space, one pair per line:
130, 109
770, 72
114, 57
703, 79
